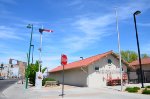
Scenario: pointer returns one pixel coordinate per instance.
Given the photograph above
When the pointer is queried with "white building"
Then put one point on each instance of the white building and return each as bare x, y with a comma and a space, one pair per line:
95, 71
6, 71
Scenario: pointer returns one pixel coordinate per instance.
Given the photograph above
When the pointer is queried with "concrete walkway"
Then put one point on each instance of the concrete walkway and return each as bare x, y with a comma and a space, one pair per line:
17, 91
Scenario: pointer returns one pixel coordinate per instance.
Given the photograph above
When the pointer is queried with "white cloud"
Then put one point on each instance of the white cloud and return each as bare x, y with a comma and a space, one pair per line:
8, 1
144, 24
95, 28
9, 33
75, 3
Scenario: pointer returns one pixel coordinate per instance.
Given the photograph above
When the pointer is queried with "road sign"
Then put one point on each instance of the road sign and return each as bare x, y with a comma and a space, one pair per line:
63, 59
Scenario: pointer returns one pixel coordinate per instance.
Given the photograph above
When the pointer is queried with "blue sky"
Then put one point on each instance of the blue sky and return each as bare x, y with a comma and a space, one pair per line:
81, 28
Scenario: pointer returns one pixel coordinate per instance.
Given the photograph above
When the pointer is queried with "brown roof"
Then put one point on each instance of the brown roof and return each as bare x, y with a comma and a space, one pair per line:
144, 61
86, 62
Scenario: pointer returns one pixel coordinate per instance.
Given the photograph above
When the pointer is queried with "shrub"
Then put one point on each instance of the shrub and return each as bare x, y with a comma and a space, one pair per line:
132, 89
145, 91
47, 79
136, 88
147, 86
128, 88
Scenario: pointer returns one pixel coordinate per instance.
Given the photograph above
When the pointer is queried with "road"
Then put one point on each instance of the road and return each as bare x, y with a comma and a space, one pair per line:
5, 84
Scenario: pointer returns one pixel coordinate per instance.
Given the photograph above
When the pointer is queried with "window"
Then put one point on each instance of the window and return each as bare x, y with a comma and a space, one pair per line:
109, 61
96, 68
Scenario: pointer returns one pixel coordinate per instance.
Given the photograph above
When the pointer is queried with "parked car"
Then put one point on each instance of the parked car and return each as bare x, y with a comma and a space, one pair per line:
2, 78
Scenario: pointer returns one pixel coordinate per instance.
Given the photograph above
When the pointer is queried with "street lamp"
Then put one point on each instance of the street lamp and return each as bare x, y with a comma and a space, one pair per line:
141, 72
81, 58
32, 52
30, 26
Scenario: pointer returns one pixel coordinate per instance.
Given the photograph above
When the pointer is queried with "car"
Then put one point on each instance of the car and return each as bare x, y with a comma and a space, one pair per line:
2, 78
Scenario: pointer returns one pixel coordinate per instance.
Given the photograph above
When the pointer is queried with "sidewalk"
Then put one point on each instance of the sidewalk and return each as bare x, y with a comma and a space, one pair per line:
17, 91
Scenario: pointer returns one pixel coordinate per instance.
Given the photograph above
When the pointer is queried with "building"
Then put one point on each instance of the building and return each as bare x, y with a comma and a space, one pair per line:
19, 69
13, 70
95, 71
134, 74
22, 66
6, 71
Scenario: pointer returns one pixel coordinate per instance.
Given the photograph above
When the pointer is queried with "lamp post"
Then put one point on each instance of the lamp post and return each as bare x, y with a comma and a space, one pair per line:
30, 26
141, 72
81, 58
32, 52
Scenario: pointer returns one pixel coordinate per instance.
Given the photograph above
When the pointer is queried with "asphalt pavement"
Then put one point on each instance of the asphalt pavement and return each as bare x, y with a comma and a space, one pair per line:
5, 84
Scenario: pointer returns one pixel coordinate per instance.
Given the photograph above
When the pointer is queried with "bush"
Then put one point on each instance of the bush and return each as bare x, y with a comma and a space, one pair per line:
132, 89
147, 86
136, 88
128, 88
47, 79
145, 91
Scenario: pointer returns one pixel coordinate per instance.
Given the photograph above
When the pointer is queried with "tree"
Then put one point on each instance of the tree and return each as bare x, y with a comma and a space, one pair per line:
129, 56
33, 68
144, 55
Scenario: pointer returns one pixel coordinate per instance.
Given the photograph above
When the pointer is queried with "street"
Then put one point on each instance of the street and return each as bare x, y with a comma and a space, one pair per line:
5, 84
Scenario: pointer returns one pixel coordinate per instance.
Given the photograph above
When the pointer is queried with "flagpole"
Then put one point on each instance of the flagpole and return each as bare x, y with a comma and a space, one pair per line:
119, 48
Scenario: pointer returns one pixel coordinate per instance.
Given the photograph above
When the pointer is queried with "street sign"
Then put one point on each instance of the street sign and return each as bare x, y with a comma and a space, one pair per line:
63, 59
63, 62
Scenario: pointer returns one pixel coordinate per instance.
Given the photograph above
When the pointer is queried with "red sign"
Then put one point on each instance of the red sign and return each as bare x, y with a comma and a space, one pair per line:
63, 59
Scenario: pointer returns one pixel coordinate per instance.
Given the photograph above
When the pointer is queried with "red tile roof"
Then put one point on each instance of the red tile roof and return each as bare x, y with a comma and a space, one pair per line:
143, 62
84, 62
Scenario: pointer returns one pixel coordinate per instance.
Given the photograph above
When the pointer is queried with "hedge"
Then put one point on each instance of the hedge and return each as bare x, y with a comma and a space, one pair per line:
147, 86
145, 91
132, 89
47, 79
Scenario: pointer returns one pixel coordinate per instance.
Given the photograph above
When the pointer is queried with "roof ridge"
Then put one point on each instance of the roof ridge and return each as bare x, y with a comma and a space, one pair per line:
85, 61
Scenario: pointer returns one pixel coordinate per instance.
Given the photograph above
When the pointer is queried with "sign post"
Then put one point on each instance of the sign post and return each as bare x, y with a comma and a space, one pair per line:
63, 62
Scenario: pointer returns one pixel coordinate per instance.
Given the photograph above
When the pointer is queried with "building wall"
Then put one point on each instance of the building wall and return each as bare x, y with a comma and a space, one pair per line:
22, 66
133, 75
90, 77
6, 71
106, 71
75, 77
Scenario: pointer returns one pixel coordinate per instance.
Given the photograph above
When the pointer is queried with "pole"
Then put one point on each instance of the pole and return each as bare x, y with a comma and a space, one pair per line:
32, 52
63, 82
29, 57
119, 49
40, 61
137, 39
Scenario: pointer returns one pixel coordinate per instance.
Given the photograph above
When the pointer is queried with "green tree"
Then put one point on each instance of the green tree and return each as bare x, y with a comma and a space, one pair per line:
129, 56
33, 68
144, 55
